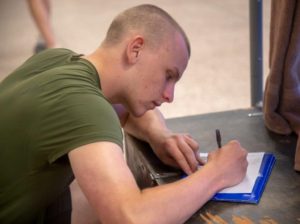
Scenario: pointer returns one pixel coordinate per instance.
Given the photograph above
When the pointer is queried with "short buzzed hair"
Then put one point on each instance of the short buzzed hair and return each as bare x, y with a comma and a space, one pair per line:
154, 22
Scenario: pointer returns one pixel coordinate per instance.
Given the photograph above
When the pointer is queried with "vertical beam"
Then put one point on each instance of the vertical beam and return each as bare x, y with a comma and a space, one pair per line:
256, 51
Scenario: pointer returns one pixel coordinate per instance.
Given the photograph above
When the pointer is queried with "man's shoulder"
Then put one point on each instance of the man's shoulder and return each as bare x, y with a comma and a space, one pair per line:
54, 53
57, 51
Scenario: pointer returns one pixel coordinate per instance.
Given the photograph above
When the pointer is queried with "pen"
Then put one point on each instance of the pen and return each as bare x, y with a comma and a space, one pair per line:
218, 137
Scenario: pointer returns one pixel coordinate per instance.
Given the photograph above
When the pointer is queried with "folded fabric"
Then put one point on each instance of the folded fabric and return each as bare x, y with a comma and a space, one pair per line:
282, 91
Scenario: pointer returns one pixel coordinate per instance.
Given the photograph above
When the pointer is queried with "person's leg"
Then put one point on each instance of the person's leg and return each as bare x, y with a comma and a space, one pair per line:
82, 212
40, 11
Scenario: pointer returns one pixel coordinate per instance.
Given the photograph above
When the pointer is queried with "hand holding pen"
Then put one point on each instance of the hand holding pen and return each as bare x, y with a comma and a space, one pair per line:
232, 158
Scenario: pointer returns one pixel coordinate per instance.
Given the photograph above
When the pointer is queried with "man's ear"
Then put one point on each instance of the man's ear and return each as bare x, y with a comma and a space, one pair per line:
134, 48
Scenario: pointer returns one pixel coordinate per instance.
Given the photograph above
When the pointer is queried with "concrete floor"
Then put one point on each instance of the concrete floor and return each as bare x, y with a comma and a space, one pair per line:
218, 75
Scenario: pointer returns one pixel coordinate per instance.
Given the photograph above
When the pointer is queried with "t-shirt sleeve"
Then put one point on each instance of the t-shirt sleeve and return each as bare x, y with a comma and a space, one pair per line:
75, 120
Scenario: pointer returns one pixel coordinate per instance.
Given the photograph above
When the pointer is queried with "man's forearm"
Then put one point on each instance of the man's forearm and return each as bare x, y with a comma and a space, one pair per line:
147, 127
174, 149
161, 204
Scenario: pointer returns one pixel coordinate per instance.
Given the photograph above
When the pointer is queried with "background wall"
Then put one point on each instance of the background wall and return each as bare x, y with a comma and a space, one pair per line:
218, 75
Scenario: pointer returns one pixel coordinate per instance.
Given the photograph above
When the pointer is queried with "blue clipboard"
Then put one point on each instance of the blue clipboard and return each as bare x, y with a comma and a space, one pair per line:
259, 186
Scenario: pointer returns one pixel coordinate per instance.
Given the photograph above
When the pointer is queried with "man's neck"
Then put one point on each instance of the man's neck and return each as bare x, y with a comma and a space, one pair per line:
107, 66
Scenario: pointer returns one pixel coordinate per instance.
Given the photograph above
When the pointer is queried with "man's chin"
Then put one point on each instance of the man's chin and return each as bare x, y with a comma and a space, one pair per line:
139, 113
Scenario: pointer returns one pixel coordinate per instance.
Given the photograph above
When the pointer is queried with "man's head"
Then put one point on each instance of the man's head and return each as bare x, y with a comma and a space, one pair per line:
148, 52
153, 22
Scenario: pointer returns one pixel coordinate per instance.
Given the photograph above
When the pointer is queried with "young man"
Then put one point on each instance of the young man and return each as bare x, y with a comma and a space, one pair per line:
62, 114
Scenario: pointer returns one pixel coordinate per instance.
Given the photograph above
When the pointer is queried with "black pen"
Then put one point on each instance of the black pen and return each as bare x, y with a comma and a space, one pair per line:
219, 139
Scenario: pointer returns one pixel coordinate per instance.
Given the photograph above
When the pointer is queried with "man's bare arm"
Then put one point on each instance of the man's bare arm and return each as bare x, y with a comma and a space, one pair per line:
175, 149
109, 186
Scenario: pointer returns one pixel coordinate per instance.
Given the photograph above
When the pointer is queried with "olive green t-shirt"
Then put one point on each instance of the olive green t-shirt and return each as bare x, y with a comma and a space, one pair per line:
49, 106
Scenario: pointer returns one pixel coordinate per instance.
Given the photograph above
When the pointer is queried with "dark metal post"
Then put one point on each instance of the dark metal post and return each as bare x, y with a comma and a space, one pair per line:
256, 51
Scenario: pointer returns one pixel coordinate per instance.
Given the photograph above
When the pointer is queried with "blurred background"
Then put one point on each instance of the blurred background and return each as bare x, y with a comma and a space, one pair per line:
218, 74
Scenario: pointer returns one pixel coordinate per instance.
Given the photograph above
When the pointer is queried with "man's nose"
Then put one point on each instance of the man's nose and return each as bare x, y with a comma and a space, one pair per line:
168, 94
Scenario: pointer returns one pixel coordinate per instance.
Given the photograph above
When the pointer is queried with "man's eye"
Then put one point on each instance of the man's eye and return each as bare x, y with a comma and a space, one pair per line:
169, 76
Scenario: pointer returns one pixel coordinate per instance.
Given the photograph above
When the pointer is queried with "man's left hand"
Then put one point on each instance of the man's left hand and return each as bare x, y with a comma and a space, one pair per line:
178, 150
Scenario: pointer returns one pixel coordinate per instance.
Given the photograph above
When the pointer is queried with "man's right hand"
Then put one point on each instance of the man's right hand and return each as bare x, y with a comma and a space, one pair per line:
231, 162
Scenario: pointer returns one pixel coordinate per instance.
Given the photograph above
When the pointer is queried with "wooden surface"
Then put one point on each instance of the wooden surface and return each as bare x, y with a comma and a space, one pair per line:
280, 202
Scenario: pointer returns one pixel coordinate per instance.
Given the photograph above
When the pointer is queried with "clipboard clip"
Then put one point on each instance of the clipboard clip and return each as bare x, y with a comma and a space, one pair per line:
155, 176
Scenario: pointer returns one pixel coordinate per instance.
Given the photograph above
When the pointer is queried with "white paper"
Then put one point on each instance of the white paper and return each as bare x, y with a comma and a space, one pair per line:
246, 186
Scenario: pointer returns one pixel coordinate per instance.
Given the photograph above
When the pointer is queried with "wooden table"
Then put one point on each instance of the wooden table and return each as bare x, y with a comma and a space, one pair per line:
280, 202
